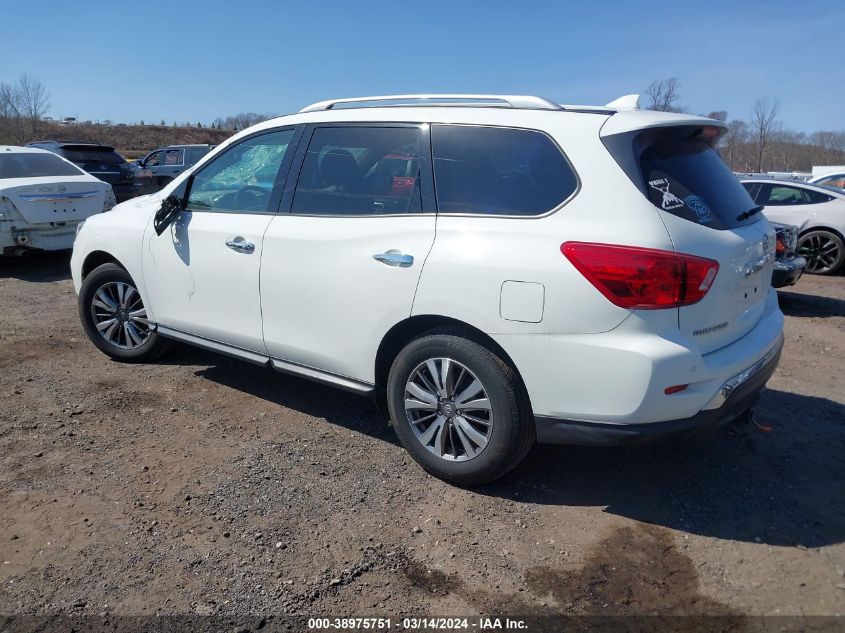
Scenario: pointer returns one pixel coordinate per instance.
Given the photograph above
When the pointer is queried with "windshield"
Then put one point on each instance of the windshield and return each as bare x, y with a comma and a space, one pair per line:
688, 178
33, 165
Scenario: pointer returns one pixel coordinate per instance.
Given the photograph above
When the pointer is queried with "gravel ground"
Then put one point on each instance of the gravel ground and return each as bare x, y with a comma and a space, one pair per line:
202, 485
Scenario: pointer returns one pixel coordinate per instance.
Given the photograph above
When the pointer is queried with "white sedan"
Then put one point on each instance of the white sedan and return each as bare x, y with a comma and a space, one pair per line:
818, 212
43, 198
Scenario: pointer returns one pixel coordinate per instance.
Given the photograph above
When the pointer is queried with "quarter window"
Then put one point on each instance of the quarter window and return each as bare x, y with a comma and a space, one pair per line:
242, 178
498, 171
360, 170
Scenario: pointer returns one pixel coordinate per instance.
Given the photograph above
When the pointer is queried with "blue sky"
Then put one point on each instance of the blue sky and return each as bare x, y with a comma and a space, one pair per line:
174, 60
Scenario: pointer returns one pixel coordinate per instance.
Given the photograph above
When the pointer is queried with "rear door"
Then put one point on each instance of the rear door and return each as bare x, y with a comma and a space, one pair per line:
173, 163
709, 214
341, 267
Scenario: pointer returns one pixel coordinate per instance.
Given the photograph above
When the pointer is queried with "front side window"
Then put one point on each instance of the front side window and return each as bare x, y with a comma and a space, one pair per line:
498, 171
242, 178
34, 165
153, 160
360, 170
173, 157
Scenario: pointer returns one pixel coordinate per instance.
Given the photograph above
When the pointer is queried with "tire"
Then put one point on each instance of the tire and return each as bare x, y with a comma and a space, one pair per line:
447, 436
824, 251
113, 316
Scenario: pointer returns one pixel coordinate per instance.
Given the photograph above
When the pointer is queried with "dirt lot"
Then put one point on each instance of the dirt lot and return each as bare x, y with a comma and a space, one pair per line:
202, 485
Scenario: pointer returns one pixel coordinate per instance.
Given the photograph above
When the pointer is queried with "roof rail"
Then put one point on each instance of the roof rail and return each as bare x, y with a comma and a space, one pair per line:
523, 102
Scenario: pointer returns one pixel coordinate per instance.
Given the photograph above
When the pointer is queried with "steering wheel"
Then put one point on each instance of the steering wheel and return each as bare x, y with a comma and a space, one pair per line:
251, 198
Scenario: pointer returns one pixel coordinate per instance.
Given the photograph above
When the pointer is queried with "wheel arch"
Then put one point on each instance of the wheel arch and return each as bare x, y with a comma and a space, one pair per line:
98, 258
822, 227
403, 332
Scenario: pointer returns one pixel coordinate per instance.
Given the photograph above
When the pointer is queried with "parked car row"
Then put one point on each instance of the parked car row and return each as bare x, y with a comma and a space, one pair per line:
128, 179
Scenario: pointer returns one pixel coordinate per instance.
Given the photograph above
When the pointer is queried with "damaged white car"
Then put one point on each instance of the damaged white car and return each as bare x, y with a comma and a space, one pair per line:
43, 198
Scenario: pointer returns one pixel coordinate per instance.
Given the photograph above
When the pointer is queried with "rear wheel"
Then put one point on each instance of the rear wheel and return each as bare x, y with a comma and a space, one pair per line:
114, 316
459, 409
824, 251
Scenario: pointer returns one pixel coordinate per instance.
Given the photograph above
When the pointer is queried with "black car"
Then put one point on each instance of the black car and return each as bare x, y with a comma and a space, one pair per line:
788, 266
101, 161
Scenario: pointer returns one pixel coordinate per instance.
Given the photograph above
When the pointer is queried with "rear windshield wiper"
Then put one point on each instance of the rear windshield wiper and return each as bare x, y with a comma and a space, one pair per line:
747, 214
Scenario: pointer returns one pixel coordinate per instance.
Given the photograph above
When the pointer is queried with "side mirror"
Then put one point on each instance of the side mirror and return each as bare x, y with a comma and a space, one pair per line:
167, 212
172, 205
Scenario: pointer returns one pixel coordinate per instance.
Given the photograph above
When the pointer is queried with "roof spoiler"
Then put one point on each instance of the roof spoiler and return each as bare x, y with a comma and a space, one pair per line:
626, 102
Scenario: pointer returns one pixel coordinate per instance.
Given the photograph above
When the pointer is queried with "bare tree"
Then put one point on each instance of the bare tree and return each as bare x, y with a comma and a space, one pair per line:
763, 124
664, 95
34, 101
735, 138
10, 114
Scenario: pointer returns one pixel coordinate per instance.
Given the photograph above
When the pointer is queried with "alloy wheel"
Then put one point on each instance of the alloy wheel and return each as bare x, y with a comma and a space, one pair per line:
119, 315
821, 252
448, 409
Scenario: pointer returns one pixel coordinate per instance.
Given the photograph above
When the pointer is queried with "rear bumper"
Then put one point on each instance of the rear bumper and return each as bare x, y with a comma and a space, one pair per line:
738, 399
788, 271
42, 237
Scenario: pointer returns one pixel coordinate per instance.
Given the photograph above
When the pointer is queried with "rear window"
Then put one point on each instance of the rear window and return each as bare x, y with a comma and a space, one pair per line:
688, 178
498, 171
104, 155
26, 165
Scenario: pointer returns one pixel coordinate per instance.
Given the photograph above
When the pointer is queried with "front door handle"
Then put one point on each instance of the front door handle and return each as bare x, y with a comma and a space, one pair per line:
240, 245
395, 258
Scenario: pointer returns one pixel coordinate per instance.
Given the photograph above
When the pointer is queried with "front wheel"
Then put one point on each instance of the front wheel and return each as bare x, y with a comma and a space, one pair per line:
459, 409
114, 316
824, 251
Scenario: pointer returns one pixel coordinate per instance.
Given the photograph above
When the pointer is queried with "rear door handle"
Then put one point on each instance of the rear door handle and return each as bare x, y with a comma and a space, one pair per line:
395, 258
240, 245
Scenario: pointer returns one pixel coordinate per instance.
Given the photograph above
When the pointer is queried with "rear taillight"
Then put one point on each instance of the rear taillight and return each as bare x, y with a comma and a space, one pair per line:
642, 278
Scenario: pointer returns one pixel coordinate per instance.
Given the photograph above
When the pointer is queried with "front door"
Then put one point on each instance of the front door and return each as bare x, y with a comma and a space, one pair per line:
202, 272
342, 266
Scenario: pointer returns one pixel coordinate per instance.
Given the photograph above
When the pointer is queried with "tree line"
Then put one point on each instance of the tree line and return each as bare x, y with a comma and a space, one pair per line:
759, 143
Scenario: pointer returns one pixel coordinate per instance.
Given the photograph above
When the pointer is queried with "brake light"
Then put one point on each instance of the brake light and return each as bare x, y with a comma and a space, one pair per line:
642, 278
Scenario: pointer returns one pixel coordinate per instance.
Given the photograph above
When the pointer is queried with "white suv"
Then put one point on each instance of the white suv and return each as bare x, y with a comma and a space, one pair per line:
507, 269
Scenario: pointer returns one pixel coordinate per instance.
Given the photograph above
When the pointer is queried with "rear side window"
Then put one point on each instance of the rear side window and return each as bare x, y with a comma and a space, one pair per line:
774, 195
361, 171
688, 178
26, 165
173, 157
498, 171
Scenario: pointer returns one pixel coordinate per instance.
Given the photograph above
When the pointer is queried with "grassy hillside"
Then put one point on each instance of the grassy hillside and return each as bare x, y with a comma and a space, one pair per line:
131, 141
